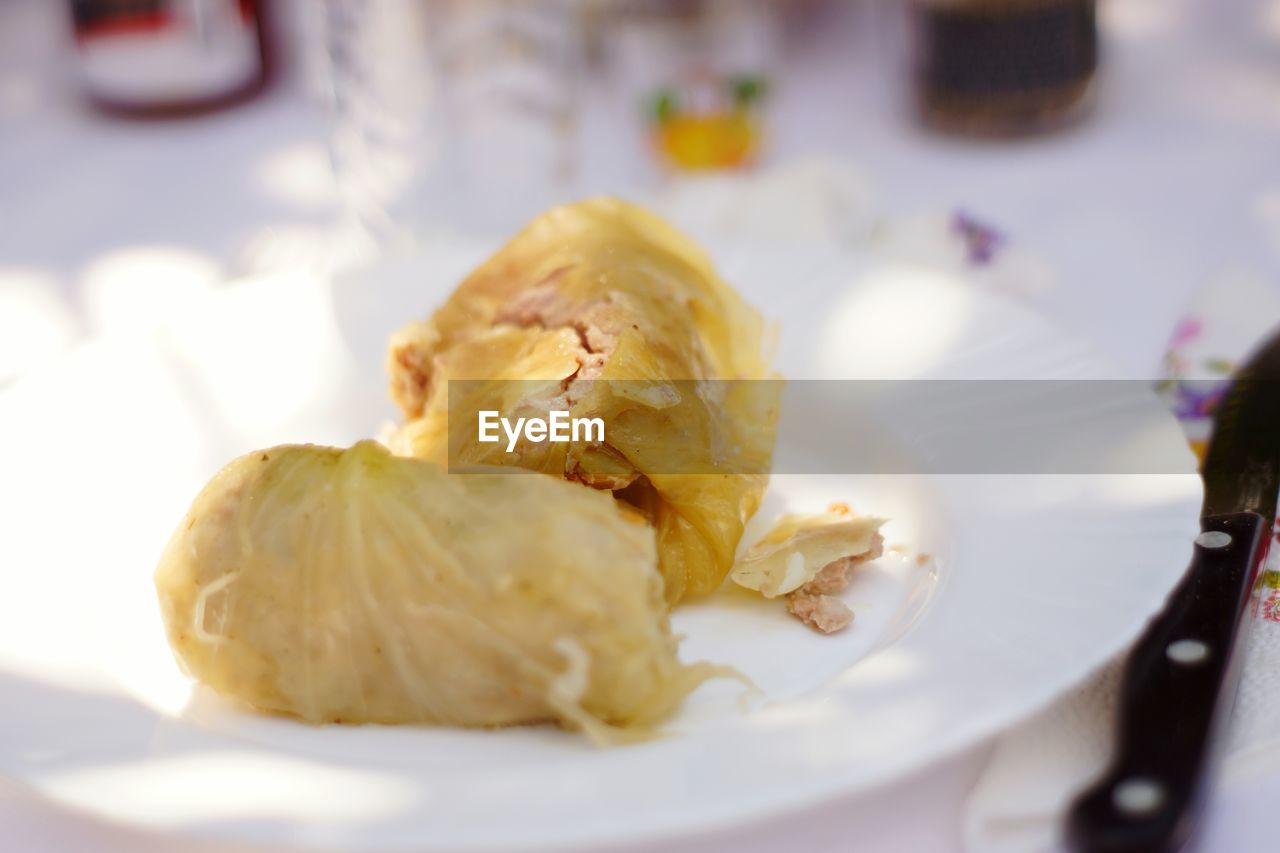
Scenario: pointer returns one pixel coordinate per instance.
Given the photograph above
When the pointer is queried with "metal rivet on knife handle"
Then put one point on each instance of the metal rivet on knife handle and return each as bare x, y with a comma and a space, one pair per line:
1138, 796
1213, 539
1187, 652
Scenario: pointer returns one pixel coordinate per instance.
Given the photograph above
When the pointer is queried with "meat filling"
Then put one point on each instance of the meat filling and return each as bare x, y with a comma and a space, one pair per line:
814, 603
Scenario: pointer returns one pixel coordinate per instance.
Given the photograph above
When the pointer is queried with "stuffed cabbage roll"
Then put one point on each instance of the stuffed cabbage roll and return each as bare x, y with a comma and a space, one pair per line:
604, 311
357, 586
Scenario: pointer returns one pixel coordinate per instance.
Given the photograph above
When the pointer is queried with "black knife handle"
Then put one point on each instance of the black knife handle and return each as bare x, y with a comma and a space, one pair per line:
1177, 690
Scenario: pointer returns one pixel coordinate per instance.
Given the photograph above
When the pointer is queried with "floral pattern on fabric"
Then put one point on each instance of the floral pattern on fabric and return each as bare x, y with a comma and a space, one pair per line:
1194, 384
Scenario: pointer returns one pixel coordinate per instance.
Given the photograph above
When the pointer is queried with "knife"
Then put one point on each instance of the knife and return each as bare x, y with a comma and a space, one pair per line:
1180, 680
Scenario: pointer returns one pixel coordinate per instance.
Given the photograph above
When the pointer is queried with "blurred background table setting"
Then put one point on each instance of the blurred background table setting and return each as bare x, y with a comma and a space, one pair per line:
1110, 164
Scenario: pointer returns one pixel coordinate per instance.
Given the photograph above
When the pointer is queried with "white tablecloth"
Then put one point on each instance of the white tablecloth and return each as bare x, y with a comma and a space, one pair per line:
1174, 179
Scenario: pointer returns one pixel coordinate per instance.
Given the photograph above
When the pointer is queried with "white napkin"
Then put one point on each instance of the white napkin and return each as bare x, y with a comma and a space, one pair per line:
1037, 767
1018, 800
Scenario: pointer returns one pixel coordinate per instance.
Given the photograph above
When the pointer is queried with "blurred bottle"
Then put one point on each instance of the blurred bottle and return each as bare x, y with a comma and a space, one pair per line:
453, 115
1004, 67
169, 57
698, 72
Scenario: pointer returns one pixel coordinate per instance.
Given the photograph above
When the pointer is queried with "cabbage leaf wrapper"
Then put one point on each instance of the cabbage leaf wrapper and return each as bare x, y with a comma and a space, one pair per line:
356, 586
602, 310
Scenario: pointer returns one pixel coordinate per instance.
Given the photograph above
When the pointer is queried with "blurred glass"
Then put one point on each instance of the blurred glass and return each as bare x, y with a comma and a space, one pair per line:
452, 115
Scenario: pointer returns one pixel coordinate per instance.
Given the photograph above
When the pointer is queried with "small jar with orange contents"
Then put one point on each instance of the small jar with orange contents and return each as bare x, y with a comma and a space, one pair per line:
697, 73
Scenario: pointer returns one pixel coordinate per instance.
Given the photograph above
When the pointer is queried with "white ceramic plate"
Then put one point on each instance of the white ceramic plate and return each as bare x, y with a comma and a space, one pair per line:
1030, 583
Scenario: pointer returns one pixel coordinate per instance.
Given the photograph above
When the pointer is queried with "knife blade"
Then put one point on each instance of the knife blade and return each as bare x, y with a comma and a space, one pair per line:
1180, 680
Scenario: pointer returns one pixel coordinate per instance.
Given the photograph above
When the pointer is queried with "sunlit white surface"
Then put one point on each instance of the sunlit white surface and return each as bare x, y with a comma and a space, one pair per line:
1142, 19
136, 288
241, 786
1013, 605
1266, 207
907, 318
35, 324
298, 174
19, 94
1269, 18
